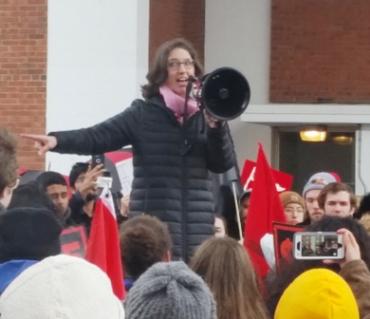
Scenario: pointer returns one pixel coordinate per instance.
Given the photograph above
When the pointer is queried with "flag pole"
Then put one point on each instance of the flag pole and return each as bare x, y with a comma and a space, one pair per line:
237, 211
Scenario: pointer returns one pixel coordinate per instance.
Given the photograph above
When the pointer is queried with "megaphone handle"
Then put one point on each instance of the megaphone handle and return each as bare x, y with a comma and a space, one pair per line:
187, 94
211, 121
203, 121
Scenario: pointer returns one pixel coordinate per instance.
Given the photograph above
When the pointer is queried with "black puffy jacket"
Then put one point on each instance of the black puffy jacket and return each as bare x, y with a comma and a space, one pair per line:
171, 165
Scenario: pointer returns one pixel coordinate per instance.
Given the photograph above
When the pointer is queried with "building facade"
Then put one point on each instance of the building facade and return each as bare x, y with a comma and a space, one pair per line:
71, 64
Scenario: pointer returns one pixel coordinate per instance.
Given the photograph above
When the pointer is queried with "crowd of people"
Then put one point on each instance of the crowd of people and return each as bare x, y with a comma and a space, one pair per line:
178, 259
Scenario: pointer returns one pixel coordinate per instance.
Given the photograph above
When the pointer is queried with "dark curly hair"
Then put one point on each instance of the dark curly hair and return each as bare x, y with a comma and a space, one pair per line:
157, 75
144, 241
49, 178
289, 272
334, 188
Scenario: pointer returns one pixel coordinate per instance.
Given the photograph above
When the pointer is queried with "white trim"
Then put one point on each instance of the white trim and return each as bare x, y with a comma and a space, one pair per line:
281, 114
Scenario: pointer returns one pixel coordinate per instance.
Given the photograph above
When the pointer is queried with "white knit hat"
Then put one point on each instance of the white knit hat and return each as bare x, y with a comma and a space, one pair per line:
61, 287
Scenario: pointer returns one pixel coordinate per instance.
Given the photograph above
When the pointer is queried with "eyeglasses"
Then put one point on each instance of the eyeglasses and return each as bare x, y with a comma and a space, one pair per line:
176, 64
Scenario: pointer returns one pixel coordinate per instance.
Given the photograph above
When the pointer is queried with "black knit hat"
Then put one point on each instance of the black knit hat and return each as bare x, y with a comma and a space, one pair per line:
28, 233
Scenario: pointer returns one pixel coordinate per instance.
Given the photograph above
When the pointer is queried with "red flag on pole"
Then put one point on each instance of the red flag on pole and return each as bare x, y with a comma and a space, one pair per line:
264, 208
103, 247
283, 180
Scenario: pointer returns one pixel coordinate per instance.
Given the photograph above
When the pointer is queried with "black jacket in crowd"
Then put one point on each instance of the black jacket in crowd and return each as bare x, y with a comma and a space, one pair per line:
171, 165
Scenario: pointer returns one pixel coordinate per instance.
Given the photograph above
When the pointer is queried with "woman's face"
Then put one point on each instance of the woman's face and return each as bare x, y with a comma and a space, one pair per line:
180, 66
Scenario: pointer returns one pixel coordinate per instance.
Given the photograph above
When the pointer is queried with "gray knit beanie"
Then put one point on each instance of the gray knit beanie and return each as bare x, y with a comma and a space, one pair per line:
318, 181
170, 290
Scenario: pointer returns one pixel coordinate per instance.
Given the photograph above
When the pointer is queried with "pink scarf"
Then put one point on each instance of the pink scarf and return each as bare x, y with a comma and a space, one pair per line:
176, 103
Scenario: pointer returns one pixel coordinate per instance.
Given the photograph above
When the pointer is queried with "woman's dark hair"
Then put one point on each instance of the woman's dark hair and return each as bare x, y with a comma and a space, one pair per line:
157, 74
290, 271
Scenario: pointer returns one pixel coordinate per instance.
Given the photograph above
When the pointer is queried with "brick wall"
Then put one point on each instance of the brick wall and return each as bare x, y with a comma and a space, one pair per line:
320, 51
176, 18
23, 29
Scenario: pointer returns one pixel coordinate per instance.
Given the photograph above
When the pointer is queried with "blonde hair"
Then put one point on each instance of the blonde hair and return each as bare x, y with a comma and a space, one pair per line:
226, 268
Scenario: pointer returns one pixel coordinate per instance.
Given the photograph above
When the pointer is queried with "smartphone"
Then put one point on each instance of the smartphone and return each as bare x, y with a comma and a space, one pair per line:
97, 160
318, 245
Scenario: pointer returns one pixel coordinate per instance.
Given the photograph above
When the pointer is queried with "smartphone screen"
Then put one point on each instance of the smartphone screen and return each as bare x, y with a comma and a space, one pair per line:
318, 245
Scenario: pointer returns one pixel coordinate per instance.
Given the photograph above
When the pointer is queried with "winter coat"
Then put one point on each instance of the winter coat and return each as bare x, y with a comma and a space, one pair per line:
11, 269
357, 276
171, 165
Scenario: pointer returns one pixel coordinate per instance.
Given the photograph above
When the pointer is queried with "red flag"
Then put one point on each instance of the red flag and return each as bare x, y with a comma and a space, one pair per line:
283, 180
103, 247
264, 208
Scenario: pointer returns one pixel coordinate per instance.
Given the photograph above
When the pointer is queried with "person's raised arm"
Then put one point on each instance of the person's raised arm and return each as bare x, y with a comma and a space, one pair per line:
88, 185
109, 135
43, 143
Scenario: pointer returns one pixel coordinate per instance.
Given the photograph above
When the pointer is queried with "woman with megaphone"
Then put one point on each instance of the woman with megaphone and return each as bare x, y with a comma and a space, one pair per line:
172, 153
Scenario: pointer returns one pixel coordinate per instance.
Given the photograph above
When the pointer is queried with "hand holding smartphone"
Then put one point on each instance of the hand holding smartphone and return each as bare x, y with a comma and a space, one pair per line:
318, 245
106, 179
97, 160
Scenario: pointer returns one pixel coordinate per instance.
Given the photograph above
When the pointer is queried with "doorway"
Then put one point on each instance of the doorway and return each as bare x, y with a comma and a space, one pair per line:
302, 159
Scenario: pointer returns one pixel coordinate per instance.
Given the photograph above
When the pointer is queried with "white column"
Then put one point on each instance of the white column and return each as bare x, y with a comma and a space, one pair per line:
362, 160
237, 34
97, 60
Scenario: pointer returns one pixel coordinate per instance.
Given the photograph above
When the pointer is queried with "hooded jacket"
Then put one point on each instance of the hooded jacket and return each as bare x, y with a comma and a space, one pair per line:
171, 165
